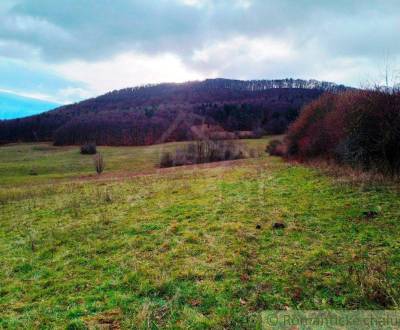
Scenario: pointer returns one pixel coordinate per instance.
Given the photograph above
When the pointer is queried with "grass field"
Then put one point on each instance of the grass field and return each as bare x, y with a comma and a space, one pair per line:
190, 247
19, 161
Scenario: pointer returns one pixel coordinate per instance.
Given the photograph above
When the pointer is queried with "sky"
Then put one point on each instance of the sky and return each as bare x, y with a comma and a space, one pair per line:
67, 50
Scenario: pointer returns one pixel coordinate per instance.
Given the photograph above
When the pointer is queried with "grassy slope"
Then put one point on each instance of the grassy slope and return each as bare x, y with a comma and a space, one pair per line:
49, 162
180, 248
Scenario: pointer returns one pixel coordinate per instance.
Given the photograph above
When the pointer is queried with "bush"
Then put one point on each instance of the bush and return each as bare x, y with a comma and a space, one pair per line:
88, 149
166, 160
204, 151
33, 171
360, 128
275, 148
308, 135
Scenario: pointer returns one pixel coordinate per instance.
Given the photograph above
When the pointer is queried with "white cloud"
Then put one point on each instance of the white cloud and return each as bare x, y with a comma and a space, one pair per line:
194, 3
32, 95
72, 95
244, 3
254, 49
132, 69
201, 3
26, 26
125, 70
17, 50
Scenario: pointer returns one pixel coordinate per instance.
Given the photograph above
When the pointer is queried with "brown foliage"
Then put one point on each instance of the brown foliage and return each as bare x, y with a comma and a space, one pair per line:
276, 148
204, 151
141, 116
359, 128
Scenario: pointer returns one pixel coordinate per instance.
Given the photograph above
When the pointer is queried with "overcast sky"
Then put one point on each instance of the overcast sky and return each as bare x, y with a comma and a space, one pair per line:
67, 50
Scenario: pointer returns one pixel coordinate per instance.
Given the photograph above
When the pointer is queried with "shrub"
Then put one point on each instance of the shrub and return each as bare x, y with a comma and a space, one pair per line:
373, 139
33, 171
99, 163
275, 148
307, 136
360, 128
204, 151
88, 149
166, 160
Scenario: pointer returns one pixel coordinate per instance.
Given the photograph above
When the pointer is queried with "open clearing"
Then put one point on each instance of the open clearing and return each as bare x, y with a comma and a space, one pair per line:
189, 247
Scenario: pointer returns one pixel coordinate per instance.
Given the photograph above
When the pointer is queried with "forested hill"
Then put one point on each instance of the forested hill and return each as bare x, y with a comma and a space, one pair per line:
169, 111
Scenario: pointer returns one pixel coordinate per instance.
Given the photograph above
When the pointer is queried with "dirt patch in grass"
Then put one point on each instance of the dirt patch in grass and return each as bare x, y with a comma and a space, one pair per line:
109, 320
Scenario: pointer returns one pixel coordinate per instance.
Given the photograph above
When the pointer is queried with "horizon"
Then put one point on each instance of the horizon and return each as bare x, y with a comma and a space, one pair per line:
40, 105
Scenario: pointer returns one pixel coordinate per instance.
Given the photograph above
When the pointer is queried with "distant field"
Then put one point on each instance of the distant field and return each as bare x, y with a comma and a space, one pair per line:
18, 161
188, 247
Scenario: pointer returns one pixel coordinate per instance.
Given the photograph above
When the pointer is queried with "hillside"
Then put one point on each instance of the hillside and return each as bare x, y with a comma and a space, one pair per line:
166, 112
186, 248
13, 106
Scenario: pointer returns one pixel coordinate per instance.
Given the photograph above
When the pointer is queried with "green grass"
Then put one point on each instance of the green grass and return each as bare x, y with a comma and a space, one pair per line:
47, 162
180, 248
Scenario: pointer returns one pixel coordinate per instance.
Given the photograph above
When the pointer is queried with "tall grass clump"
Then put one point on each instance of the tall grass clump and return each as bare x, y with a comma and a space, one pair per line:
359, 128
204, 151
99, 163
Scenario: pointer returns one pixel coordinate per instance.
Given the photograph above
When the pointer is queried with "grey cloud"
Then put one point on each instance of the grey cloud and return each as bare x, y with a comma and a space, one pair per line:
96, 29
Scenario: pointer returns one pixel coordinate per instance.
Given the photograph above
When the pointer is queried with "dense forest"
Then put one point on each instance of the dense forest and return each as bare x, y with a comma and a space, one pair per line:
172, 112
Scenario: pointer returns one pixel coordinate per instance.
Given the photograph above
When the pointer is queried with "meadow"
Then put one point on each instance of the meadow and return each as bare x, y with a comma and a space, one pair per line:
190, 247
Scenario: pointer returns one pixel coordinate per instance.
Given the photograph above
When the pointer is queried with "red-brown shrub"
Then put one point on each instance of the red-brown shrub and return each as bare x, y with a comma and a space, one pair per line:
275, 148
308, 136
361, 128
